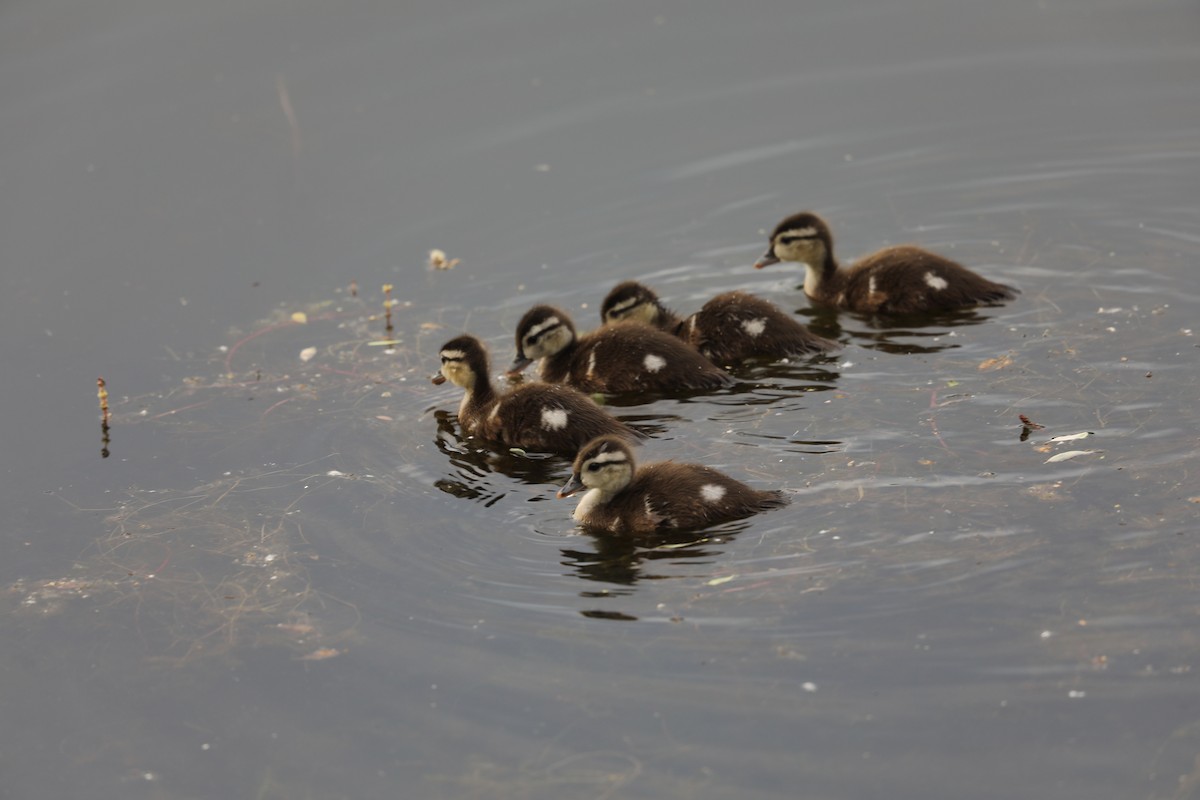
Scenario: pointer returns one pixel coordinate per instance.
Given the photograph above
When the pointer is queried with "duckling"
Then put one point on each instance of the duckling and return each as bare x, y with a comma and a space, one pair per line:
628, 357
730, 328
901, 279
533, 416
624, 498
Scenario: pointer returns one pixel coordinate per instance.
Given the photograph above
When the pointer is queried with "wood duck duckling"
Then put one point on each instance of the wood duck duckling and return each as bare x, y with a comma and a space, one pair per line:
628, 357
534, 416
729, 329
902, 279
622, 497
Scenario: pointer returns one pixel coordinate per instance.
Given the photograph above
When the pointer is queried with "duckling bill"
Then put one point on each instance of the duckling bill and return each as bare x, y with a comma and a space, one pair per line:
629, 357
902, 279
731, 328
622, 497
534, 416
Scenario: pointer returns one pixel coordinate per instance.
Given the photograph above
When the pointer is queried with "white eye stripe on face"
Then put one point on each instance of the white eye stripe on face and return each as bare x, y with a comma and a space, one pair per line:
541, 327
453, 355
623, 306
798, 233
609, 458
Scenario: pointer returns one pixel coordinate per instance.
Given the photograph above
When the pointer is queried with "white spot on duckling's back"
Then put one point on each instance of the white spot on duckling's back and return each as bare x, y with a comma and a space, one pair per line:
653, 363
591, 369
754, 327
554, 419
712, 492
935, 281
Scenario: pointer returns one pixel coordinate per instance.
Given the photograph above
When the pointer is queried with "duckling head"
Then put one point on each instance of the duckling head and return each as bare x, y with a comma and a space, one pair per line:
631, 301
543, 332
604, 465
802, 237
464, 359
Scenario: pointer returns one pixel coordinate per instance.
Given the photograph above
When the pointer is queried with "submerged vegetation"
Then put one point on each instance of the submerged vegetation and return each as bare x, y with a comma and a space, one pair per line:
236, 561
228, 563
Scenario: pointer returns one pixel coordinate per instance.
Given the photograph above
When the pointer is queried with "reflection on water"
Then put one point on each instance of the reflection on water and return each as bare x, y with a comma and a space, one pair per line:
626, 560
281, 520
920, 500
890, 334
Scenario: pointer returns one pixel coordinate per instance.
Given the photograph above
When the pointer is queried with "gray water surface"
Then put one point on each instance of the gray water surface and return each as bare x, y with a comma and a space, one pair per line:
291, 577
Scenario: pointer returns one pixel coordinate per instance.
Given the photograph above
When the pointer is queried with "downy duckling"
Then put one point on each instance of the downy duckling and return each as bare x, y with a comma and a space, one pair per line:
902, 279
534, 416
629, 357
624, 498
730, 328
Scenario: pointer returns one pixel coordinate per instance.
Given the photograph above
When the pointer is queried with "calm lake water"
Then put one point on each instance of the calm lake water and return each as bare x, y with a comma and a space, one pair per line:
291, 578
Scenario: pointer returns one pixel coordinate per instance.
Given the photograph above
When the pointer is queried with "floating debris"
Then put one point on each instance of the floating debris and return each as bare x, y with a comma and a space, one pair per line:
102, 394
1028, 426
388, 302
1067, 456
320, 654
438, 260
1000, 362
300, 318
307, 354
1070, 437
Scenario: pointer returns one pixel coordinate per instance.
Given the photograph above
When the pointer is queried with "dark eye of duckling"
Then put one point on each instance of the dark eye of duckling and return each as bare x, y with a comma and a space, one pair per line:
594, 467
791, 239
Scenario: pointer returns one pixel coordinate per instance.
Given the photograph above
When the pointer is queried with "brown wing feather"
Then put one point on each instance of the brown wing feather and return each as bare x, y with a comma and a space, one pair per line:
899, 275
721, 330
670, 495
620, 362
520, 420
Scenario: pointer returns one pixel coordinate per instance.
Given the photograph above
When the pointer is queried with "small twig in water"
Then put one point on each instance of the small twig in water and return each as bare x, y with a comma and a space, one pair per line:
286, 102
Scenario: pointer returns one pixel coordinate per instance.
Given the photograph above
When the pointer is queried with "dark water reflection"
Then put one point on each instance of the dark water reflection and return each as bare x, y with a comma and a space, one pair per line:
273, 586
625, 560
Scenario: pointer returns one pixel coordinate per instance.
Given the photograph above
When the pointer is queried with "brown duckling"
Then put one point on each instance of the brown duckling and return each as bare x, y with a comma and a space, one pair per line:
902, 279
624, 498
728, 329
628, 357
534, 416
